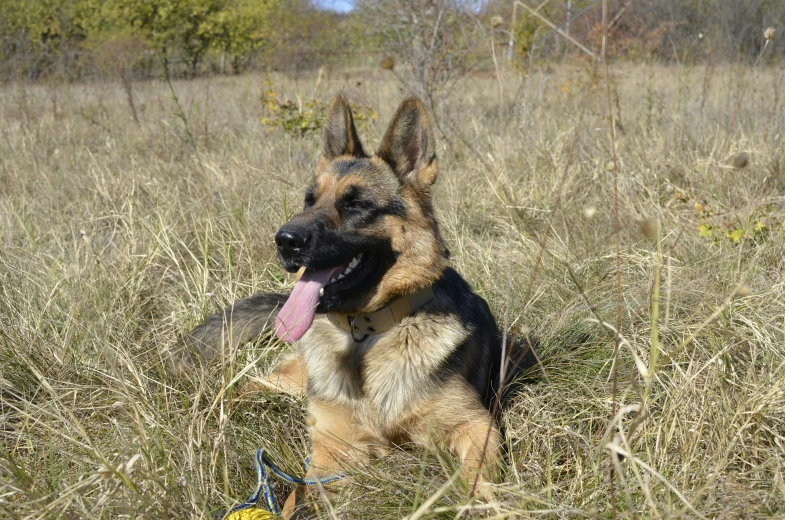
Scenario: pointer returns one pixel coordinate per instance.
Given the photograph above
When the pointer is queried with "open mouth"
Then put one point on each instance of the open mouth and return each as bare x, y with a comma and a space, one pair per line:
347, 276
313, 289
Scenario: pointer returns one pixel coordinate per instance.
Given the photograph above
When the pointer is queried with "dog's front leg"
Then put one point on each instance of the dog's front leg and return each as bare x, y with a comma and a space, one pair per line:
337, 443
291, 377
476, 442
457, 419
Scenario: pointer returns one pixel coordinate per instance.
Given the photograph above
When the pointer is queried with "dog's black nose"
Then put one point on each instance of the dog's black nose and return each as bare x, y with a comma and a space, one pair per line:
289, 242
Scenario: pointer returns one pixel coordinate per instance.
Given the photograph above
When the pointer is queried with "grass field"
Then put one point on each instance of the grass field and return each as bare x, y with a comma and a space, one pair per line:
116, 236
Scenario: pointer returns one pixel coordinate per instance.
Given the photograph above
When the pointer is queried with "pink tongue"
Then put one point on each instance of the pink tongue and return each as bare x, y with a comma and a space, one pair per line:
296, 315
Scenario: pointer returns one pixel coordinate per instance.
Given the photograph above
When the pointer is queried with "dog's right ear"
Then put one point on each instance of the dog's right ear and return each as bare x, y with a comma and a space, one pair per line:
340, 135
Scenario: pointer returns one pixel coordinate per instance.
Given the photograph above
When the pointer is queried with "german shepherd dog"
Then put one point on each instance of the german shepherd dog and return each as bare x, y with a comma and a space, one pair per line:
392, 345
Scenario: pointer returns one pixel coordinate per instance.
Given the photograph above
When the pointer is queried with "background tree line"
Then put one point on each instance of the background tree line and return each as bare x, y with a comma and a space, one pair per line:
662, 30
432, 40
142, 38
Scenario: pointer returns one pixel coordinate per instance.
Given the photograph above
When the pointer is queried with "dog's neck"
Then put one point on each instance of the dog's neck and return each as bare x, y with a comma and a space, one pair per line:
382, 320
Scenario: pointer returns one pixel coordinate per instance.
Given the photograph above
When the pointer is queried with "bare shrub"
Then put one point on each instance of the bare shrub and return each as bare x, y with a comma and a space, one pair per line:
435, 40
125, 58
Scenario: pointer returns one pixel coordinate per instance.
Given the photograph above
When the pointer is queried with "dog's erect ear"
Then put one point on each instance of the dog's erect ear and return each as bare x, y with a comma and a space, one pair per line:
340, 135
408, 146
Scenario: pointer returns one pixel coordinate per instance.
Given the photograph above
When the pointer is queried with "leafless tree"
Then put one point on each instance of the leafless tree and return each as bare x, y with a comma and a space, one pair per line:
436, 41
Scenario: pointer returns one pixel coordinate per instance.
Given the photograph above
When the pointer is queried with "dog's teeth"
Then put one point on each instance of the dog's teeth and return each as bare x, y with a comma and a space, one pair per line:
354, 262
340, 276
321, 292
348, 270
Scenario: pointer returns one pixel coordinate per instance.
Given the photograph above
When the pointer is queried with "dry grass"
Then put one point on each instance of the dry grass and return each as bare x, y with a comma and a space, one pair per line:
116, 236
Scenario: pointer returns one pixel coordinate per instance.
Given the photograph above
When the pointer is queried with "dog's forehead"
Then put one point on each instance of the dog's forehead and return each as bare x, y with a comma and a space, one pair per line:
371, 172
345, 166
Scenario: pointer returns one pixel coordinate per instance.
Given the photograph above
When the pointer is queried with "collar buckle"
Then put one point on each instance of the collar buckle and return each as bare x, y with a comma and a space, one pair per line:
354, 328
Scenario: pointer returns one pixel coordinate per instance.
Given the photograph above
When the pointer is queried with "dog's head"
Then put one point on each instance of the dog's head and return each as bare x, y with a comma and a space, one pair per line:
367, 233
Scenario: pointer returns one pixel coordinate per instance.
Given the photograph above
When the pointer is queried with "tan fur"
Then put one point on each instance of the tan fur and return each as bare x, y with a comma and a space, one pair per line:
397, 365
364, 398
396, 400
453, 418
456, 416
290, 378
420, 381
421, 262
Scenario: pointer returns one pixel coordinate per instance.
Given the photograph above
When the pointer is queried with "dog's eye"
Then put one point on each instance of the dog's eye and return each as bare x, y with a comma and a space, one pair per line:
354, 200
357, 204
310, 200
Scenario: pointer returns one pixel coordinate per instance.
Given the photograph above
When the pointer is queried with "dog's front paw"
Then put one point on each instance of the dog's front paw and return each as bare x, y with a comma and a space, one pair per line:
290, 378
484, 491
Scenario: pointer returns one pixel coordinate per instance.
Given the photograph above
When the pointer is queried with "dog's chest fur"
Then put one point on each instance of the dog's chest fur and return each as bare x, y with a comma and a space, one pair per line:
385, 376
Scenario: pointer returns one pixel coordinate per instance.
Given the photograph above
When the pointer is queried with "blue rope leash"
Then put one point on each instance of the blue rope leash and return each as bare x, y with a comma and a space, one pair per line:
264, 489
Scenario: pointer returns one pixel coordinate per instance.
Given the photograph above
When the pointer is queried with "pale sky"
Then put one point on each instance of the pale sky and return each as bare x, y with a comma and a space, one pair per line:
341, 6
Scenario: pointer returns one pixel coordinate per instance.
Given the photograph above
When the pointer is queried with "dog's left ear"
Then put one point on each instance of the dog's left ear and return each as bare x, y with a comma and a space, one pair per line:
340, 135
408, 146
